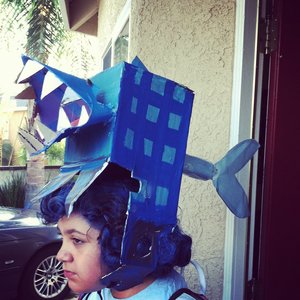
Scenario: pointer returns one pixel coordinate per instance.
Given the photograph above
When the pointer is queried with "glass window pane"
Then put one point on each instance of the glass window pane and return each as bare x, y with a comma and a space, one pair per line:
121, 45
107, 59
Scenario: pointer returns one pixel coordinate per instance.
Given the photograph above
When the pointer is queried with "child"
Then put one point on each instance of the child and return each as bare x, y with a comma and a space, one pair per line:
92, 238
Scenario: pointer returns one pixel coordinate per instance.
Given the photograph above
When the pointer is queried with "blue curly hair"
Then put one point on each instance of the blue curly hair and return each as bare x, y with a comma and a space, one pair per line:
104, 205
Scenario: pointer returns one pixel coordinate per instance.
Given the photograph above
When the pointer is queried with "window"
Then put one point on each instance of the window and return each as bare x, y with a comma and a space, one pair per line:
121, 45
106, 61
118, 47
21, 103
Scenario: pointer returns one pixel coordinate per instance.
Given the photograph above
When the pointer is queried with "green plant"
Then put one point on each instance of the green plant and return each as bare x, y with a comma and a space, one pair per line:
12, 191
6, 152
55, 154
22, 156
45, 24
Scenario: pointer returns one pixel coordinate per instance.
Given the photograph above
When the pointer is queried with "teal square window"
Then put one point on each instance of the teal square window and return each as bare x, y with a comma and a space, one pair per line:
138, 76
129, 137
179, 93
134, 102
158, 84
148, 145
169, 155
152, 113
174, 121
162, 195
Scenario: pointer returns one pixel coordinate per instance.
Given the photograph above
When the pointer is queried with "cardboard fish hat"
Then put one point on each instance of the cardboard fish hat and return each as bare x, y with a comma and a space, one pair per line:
128, 117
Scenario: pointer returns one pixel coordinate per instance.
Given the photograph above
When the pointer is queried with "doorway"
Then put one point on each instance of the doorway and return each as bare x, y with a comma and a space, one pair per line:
276, 261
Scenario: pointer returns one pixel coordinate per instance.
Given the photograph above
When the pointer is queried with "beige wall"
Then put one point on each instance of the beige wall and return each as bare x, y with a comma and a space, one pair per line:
191, 42
10, 120
108, 14
16, 121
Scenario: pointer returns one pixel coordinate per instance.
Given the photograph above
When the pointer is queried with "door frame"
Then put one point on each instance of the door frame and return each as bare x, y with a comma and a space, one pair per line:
242, 112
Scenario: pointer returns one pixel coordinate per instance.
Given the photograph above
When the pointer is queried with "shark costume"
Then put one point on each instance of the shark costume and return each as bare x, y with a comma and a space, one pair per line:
135, 119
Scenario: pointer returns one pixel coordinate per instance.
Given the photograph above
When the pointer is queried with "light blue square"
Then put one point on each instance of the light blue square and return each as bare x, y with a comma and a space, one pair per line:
137, 197
162, 195
169, 155
152, 113
138, 76
158, 84
179, 93
129, 137
133, 105
148, 145
174, 121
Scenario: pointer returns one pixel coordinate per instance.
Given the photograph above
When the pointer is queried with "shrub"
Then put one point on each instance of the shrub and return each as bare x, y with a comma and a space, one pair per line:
21, 157
6, 152
12, 191
55, 154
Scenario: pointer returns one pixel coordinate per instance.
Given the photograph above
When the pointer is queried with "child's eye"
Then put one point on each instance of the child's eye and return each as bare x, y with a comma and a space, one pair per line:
77, 241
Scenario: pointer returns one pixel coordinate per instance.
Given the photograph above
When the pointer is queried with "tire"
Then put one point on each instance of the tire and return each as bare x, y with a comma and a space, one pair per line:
43, 277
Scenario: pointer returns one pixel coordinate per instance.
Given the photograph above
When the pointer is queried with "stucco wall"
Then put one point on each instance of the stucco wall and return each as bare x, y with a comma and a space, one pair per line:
10, 121
191, 42
109, 11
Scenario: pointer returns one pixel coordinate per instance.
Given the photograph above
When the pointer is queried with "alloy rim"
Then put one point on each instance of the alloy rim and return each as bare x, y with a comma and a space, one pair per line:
49, 280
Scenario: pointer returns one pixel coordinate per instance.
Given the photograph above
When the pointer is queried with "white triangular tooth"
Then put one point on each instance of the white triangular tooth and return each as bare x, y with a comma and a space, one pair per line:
27, 146
31, 143
30, 68
63, 120
47, 133
84, 116
69, 96
51, 82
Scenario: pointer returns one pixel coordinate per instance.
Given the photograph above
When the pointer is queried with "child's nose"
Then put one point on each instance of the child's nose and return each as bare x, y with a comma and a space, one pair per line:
63, 254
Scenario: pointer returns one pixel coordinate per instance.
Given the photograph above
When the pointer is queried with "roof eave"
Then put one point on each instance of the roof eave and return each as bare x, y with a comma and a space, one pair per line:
80, 15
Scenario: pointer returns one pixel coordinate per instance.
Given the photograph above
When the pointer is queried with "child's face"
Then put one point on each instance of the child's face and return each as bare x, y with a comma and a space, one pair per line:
80, 254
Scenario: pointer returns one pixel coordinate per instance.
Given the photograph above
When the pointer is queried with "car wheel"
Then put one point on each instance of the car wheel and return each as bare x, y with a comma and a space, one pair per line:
44, 277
